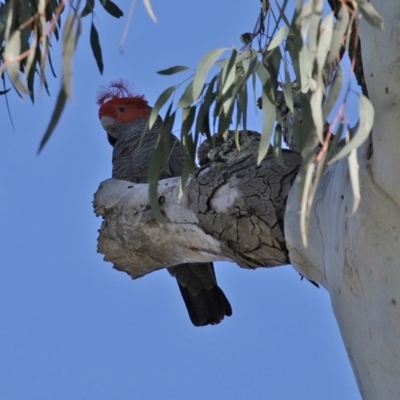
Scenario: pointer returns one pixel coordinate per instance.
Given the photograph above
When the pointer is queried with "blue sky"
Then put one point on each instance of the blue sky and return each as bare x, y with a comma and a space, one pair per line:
74, 328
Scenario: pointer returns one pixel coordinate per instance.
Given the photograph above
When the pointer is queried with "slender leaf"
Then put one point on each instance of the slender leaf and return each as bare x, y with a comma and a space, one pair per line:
159, 159
324, 40
278, 144
60, 104
242, 107
112, 8
279, 37
71, 34
188, 115
305, 65
316, 111
173, 70
269, 117
288, 90
162, 99
339, 31
367, 113
89, 7
187, 97
370, 14
334, 92
4, 91
11, 57
202, 123
149, 10
96, 48
202, 71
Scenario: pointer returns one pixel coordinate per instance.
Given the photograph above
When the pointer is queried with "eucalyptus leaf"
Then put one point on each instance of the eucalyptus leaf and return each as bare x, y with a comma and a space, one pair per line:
202, 71
333, 93
89, 7
269, 117
339, 31
278, 144
173, 70
278, 38
369, 12
59, 108
96, 48
367, 113
11, 57
162, 99
149, 9
112, 8
187, 96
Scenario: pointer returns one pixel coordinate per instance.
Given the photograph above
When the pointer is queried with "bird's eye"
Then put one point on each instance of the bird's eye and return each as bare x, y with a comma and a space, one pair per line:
121, 109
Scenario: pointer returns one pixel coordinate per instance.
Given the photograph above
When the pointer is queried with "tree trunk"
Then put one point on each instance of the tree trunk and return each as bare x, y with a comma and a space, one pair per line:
357, 257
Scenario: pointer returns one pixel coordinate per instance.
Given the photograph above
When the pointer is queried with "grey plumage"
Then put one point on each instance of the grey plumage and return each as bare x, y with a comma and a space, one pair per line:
133, 146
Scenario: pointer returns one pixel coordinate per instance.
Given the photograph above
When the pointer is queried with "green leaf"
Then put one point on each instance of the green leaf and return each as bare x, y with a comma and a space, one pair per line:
89, 6
313, 29
71, 32
4, 91
305, 65
11, 57
158, 160
367, 113
334, 92
202, 71
324, 40
112, 8
316, 111
202, 122
277, 40
288, 90
370, 14
188, 115
278, 144
173, 70
187, 96
149, 10
269, 117
162, 99
228, 79
96, 48
60, 104
341, 27
241, 110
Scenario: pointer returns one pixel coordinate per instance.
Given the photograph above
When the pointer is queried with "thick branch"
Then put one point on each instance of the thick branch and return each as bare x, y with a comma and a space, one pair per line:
230, 210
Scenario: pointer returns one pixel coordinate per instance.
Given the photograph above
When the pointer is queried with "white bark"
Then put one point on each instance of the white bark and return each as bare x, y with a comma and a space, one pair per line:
357, 258
134, 241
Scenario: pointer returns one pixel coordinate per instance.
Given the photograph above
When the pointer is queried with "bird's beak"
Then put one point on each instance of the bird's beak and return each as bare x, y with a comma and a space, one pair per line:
106, 122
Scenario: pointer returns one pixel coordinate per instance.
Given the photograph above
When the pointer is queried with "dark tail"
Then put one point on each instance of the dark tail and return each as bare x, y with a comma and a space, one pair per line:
205, 301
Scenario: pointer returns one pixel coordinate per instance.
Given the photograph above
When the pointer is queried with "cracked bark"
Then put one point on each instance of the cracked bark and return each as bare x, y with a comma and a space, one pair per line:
232, 209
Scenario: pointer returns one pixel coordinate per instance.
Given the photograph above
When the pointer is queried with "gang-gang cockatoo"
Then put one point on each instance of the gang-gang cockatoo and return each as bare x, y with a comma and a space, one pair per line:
125, 117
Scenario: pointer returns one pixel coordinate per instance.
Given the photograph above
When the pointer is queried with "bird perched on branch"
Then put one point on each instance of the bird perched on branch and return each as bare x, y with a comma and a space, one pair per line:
125, 117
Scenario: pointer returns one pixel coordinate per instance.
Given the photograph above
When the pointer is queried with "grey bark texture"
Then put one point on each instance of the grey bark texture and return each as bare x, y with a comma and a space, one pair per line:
232, 209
